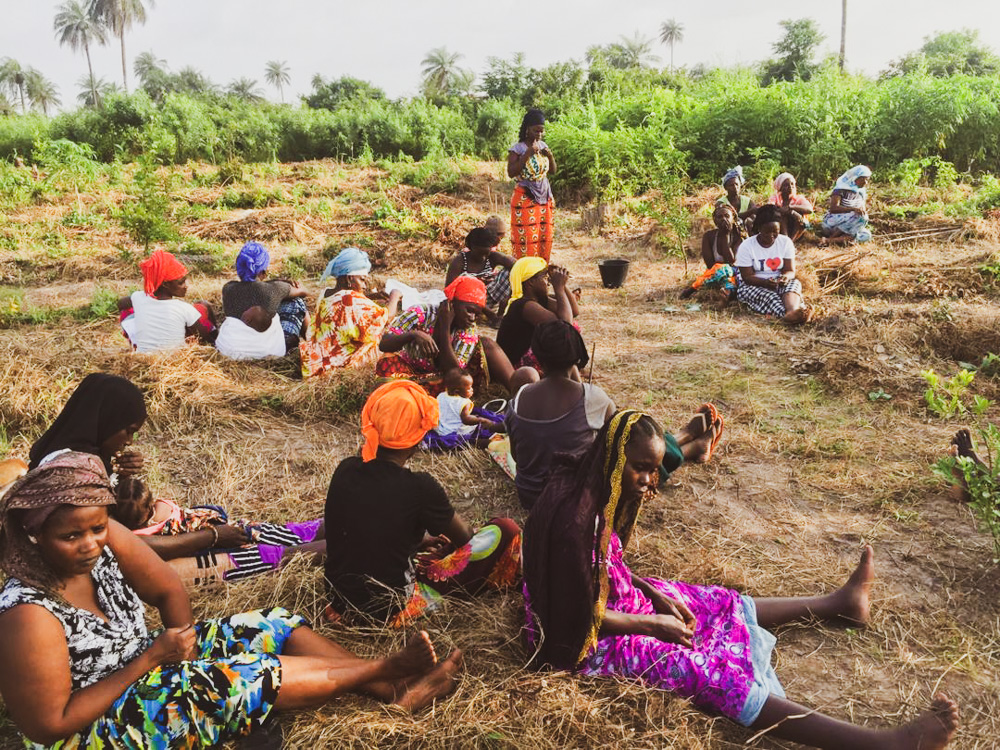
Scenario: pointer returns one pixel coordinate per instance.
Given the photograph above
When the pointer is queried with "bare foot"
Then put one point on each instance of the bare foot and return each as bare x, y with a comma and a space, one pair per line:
854, 595
699, 451
797, 316
687, 292
697, 427
437, 683
932, 730
415, 658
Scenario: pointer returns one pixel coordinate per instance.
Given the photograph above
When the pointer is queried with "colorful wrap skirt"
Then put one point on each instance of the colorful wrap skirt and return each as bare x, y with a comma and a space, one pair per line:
491, 559
848, 223
434, 441
225, 693
530, 225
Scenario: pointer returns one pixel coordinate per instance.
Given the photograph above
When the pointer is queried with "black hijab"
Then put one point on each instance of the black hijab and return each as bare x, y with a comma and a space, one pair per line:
99, 407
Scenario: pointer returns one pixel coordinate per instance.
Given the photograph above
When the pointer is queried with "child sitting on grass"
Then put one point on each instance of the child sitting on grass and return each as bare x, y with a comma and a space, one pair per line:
459, 422
157, 319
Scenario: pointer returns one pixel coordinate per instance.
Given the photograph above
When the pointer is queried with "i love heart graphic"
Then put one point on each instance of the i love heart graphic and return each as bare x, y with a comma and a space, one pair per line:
773, 263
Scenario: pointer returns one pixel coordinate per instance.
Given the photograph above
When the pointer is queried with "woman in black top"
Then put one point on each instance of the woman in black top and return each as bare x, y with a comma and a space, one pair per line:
531, 306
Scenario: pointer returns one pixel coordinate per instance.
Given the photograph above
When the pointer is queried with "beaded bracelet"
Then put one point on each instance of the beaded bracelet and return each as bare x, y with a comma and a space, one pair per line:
215, 536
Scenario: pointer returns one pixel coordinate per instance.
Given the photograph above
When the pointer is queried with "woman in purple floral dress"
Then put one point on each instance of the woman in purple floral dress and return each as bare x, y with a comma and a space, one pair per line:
587, 612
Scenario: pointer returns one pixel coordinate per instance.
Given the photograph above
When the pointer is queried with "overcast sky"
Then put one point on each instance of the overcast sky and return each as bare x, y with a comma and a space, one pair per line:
383, 41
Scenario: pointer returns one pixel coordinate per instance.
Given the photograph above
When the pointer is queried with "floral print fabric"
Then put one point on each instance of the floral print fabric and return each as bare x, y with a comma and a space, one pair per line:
721, 674
344, 332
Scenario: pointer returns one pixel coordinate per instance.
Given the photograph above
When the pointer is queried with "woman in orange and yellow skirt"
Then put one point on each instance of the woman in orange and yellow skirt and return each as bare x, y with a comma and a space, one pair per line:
530, 161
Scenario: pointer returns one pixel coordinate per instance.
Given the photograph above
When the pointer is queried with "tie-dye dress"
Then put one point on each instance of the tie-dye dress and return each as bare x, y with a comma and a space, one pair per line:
727, 672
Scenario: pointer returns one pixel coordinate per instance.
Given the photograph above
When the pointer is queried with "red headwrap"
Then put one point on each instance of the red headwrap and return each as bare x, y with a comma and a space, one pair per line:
159, 268
467, 289
397, 415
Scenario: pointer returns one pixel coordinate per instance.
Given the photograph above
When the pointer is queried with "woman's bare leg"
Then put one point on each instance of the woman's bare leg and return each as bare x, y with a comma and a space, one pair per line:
309, 680
848, 603
413, 692
932, 730
501, 370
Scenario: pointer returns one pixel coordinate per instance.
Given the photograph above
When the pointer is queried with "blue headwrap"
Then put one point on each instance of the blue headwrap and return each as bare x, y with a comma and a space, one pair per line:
736, 172
253, 259
349, 262
849, 180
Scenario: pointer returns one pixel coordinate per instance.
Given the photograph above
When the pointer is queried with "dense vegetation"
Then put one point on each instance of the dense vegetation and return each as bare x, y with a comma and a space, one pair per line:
618, 126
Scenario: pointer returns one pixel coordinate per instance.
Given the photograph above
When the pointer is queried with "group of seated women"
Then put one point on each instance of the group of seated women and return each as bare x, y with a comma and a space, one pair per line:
81, 667
750, 254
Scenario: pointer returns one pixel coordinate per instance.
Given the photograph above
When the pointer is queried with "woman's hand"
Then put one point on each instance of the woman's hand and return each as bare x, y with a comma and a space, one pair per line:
669, 629
666, 605
425, 344
128, 463
559, 276
173, 645
230, 537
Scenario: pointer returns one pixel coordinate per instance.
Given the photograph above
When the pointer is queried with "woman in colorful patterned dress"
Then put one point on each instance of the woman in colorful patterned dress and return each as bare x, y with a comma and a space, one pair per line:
704, 643
80, 668
347, 326
530, 161
424, 342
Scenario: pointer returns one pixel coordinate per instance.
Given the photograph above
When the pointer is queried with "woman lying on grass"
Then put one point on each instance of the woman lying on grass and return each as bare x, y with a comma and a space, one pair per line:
157, 318
704, 643
80, 667
559, 414
379, 515
102, 417
203, 546
766, 264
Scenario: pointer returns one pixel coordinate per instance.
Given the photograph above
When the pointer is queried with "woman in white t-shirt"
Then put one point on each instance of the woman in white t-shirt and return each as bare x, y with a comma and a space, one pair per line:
766, 264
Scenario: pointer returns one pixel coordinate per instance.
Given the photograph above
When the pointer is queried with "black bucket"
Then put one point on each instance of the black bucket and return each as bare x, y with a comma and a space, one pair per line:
613, 272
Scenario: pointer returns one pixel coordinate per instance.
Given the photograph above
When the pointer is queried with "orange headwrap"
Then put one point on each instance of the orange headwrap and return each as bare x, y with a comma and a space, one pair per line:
159, 268
467, 289
397, 415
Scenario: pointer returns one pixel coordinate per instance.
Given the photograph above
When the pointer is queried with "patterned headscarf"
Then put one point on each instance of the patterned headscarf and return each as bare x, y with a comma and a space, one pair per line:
159, 268
736, 172
349, 262
397, 415
467, 289
794, 199
523, 270
71, 478
849, 180
253, 259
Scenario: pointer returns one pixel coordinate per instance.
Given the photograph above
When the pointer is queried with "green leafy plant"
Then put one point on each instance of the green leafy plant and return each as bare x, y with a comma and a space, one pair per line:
149, 217
945, 396
879, 395
981, 479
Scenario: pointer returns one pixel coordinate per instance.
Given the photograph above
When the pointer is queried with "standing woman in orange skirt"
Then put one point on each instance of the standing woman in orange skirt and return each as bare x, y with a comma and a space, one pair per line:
530, 161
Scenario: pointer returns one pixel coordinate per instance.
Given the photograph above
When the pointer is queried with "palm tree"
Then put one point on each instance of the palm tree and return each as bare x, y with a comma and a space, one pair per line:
75, 27
440, 67
671, 33
120, 16
843, 34
42, 92
93, 92
14, 77
276, 74
147, 64
634, 52
245, 89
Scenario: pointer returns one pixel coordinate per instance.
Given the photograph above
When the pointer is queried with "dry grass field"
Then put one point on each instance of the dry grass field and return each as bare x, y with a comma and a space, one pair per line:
827, 446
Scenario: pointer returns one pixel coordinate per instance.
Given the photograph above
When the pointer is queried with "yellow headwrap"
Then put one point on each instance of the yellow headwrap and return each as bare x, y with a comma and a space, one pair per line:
397, 415
523, 270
